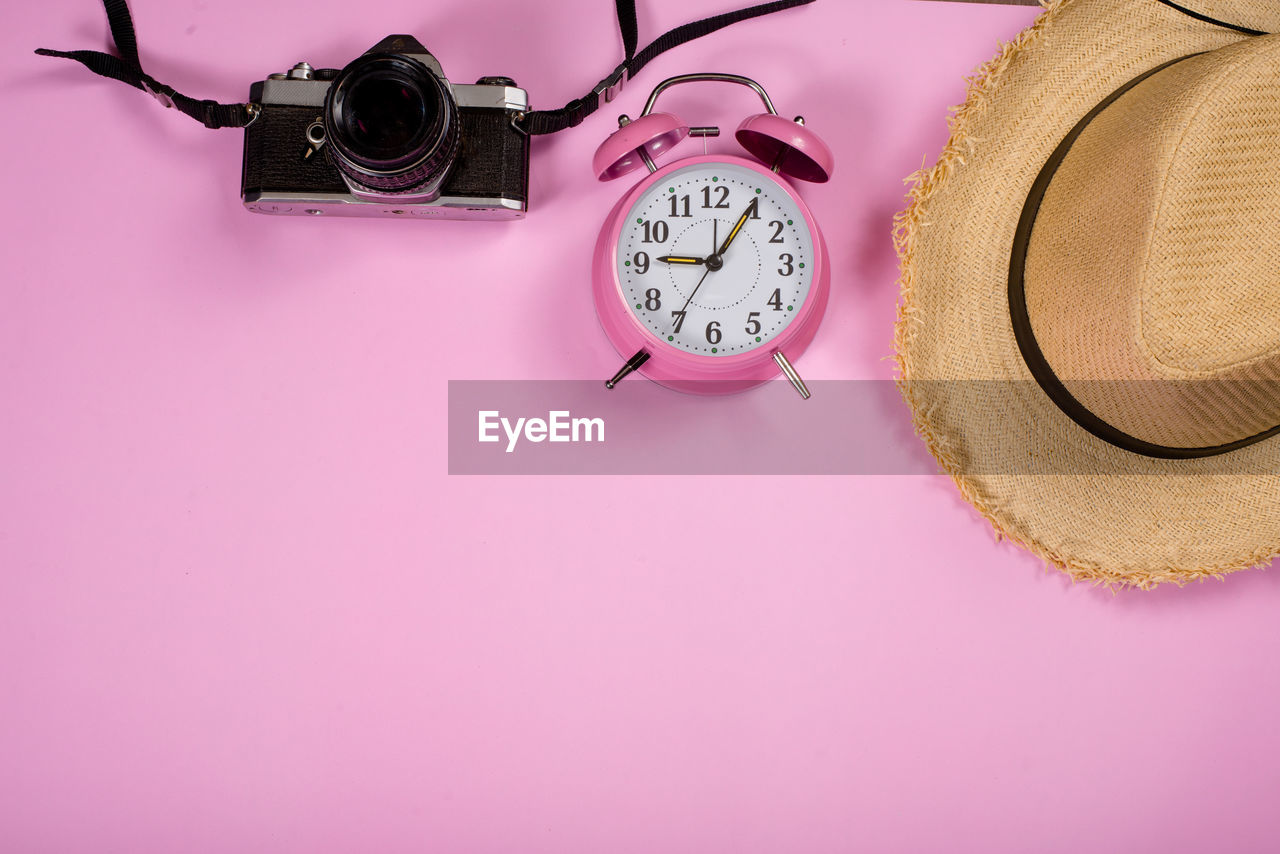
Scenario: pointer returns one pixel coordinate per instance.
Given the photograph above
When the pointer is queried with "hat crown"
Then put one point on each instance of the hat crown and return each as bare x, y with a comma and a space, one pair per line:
1155, 253
1211, 287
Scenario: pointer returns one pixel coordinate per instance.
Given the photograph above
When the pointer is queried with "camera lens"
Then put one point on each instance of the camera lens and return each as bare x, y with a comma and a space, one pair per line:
384, 116
392, 124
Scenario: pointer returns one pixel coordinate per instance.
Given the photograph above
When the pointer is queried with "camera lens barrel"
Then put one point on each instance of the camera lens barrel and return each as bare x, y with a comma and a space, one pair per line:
392, 125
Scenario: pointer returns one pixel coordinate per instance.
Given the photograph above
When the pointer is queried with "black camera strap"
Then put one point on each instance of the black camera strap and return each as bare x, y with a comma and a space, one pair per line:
550, 121
127, 68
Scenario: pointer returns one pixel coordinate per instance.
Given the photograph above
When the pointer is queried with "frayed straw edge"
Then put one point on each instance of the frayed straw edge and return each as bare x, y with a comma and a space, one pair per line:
906, 225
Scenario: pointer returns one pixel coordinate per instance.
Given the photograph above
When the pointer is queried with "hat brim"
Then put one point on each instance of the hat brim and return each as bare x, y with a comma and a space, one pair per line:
1104, 515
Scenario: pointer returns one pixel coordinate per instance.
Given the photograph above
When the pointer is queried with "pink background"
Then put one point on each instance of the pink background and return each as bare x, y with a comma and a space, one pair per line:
244, 608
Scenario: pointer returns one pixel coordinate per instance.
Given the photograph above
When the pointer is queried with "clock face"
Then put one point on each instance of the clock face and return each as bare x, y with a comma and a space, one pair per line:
715, 259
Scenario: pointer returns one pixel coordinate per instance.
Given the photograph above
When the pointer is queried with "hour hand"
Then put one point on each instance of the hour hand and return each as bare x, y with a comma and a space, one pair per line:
681, 259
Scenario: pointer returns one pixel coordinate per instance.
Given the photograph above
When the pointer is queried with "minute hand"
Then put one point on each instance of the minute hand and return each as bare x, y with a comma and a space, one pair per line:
737, 226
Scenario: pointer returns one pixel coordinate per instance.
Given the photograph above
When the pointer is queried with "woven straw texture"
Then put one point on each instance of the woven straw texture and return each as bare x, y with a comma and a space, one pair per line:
1153, 258
1105, 515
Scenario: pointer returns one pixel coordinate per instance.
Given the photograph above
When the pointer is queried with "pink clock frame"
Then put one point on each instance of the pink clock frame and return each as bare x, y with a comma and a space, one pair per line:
691, 372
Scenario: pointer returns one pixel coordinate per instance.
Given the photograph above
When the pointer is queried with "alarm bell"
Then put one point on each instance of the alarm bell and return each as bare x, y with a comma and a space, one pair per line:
787, 147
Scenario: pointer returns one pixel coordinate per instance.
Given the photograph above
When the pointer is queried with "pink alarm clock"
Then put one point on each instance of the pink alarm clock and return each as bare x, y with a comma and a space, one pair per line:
711, 274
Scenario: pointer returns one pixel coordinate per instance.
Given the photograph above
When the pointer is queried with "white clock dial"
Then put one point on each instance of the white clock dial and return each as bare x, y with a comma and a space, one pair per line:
715, 259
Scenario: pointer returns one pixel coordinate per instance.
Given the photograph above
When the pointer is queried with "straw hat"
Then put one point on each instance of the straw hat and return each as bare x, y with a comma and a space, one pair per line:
1089, 333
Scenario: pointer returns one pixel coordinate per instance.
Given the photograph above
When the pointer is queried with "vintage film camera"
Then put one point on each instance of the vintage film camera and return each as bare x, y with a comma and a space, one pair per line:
388, 135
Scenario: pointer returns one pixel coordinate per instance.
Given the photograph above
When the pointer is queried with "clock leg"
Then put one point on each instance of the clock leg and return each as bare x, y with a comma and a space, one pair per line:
790, 373
634, 362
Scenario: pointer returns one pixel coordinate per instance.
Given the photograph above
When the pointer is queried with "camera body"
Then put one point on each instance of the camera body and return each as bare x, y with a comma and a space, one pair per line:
389, 136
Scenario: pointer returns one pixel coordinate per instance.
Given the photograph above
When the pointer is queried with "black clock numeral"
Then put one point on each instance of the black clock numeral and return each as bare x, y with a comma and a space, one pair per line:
754, 213
675, 206
655, 232
775, 299
641, 260
678, 317
713, 332
753, 325
777, 231
652, 299
787, 268
722, 200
